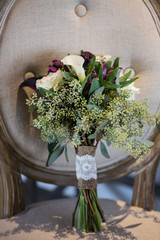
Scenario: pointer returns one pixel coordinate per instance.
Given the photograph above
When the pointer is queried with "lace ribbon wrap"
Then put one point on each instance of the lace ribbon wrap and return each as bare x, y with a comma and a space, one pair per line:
86, 167
86, 170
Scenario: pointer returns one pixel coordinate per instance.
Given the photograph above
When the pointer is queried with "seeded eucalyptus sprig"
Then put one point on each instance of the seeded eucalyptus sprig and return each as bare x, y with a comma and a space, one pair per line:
68, 116
88, 103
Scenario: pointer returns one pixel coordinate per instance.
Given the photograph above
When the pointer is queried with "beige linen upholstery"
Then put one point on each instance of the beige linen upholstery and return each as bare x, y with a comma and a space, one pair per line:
33, 33
39, 31
52, 220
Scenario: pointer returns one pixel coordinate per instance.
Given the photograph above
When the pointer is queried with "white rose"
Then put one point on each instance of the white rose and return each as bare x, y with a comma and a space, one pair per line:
133, 89
76, 62
50, 81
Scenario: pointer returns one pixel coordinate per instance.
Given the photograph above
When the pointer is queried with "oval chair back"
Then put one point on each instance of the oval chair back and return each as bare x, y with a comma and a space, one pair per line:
33, 33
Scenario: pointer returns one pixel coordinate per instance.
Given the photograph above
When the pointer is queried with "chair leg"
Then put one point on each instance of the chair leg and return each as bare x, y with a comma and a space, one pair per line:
11, 190
11, 199
144, 185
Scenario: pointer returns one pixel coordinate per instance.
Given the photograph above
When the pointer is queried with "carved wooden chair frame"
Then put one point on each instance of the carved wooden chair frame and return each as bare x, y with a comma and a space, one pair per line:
12, 164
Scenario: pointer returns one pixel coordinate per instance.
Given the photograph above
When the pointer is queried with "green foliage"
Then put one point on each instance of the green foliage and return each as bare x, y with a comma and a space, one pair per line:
66, 153
109, 65
125, 77
46, 93
89, 214
54, 155
100, 75
116, 62
104, 150
91, 65
112, 75
109, 85
94, 86
84, 82
67, 115
99, 91
68, 75
126, 83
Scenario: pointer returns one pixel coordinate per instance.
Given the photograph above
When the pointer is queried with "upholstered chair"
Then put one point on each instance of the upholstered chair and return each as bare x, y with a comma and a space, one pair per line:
32, 34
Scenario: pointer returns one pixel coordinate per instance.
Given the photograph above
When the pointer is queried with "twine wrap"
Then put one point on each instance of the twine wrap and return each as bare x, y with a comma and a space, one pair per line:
86, 170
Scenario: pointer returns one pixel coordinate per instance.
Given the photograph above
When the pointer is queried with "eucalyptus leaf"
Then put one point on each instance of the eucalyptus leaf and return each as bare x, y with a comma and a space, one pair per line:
100, 75
94, 85
97, 67
52, 157
101, 126
147, 142
125, 77
67, 75
66, 153
71, 70
117, 81
116, 62
106, 98
104, 150
51, 146
91, 65
109, 65
126, 83
92, 136
59, 143
62, 82
108, 143
46, 92
90, 106
110, 85
112, 75
99, 91
84, 82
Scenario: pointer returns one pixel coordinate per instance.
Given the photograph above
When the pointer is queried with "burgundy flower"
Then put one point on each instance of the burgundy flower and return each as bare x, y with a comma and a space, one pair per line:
87, 57
88, 84
31, 83
52, 69
57, 64
104, 70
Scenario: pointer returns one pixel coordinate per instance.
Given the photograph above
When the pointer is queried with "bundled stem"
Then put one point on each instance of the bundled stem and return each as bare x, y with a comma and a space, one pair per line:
89, 212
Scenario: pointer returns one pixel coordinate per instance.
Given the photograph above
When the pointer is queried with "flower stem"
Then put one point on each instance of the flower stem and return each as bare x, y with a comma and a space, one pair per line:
89, 212
74, 212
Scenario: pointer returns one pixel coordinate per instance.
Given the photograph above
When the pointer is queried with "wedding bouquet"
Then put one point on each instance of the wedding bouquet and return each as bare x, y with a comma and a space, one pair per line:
82, 100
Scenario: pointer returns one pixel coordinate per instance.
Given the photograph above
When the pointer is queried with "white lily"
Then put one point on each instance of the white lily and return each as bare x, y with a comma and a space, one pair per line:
76, 62
50, 81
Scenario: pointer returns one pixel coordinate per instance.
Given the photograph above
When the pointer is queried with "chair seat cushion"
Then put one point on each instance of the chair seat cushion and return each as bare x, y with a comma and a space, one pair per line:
52, 220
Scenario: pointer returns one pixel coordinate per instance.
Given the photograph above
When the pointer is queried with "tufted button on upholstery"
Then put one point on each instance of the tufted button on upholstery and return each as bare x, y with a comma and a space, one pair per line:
80, 10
